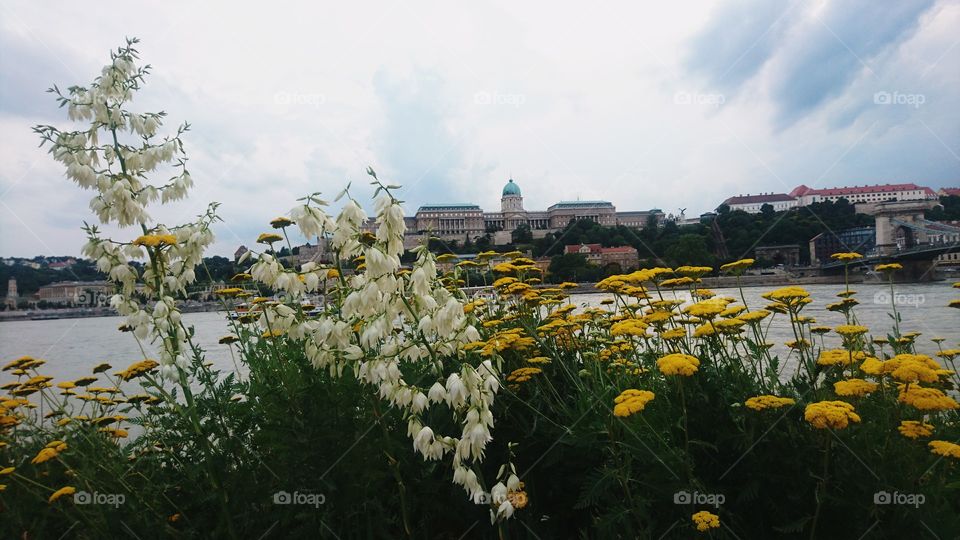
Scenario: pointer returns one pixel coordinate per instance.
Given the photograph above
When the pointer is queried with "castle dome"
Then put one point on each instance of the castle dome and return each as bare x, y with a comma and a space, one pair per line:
511, 189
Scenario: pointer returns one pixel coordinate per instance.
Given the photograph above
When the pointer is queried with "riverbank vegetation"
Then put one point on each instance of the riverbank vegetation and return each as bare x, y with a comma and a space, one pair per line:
402, 409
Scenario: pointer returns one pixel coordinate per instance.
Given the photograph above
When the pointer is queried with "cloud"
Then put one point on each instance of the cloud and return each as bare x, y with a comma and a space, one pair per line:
740, 38
829, 50
415, 142
450, 101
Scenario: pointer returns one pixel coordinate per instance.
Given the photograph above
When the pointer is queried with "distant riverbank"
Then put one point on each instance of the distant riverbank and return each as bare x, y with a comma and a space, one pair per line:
81, 313
720, 282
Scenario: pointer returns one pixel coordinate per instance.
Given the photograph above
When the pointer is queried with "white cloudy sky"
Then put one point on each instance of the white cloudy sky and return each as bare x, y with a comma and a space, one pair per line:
680, 106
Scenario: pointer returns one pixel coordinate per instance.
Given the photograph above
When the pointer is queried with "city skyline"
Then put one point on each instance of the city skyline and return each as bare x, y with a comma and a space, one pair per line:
684, 105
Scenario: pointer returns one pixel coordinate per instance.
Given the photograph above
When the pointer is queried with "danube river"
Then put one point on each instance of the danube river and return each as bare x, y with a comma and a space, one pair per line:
73, 346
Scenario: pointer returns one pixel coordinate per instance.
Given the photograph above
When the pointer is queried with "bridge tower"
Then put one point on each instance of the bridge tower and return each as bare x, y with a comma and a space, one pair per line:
900, 225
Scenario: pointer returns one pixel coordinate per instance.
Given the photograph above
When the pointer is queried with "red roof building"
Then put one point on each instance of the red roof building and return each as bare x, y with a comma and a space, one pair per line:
863, 194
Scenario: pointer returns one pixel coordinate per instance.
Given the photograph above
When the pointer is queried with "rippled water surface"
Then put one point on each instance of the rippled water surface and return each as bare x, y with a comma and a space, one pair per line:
72, 346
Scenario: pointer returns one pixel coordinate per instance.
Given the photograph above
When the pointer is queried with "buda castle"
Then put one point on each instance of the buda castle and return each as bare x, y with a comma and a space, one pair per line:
459, 221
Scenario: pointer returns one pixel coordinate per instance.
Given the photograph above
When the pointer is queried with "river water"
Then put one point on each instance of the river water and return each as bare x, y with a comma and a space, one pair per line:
73, 346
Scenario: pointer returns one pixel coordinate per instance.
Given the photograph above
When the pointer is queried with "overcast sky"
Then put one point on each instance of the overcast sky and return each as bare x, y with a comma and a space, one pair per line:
681, 106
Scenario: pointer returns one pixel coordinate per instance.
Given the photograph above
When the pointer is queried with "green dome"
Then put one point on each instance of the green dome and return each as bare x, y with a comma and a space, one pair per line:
511, 189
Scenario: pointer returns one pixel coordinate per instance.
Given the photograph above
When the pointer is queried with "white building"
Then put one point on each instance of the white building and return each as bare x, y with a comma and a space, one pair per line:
752, 204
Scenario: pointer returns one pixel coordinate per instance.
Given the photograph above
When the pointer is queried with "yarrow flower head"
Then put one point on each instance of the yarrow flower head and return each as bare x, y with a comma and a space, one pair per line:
849, 331
846, 256
678, 364
631, 401
760, 403
830, 414
945, 449
737, 266
790, 297
854, 387
269, 238
155, 240
281, 222
913, 429
66, 490
704, 521
926, 399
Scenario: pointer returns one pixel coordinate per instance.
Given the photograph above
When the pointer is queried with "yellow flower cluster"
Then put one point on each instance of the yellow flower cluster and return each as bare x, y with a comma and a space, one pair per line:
789, 297
693, 271
66, 490
832, 357
705, 521
760, 403
926, 399
511, 338
729, 326
523, 374
281, 222
50, 451
913, 429
629, 327
228, 291
854, 387
155, 240
754, 316
631, 401
518, 498
137, 369
678, 364
851, 330
706, 309
945, 449
847, 256
909, 368
268, 238
888, 267
674, 333
737, 266
830, 414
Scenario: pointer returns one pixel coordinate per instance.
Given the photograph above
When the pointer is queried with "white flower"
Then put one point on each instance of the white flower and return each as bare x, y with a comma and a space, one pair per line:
498, 493
437, 393
456, 392
505, 511
423, 439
